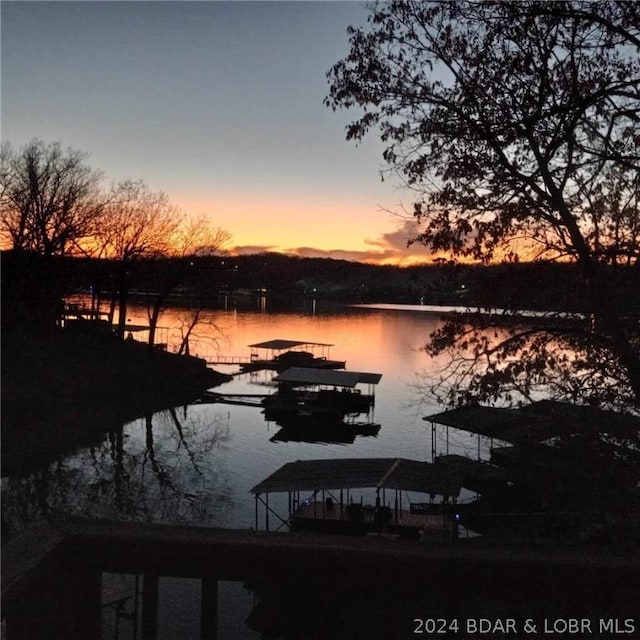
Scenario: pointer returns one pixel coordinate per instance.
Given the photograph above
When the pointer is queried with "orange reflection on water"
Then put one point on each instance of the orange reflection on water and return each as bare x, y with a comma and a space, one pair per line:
368, 339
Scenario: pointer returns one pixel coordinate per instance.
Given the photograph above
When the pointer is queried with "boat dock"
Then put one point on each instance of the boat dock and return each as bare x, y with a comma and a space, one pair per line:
321, 395
548, 472
330, 508
281, 354
531, 425
366, 519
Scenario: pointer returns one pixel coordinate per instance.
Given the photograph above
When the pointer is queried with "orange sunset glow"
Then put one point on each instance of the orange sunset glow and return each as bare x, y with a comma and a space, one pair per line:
228, 126
231, 129
326, 227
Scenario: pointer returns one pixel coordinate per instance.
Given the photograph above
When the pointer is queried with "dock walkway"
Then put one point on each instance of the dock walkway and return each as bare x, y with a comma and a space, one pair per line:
228, 360
242, 399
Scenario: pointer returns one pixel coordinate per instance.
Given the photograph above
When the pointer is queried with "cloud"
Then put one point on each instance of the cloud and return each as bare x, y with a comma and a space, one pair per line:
336, 254
383, 251
248, 249
398, 240
390, 248
394, 246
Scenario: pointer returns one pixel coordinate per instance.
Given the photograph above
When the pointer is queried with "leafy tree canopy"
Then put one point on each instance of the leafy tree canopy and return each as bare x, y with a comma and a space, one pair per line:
517, 124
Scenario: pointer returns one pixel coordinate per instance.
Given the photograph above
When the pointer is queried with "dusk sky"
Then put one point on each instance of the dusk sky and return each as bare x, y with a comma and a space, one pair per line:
218, 104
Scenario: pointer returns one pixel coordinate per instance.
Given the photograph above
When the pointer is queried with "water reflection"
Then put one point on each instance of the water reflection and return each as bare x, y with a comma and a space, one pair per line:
197, 464
344, 433
163, 467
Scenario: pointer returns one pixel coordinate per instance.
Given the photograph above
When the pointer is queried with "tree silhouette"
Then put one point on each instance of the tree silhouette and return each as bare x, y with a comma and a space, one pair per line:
50, 203
517, 125
49, 198
193, 239
137, 224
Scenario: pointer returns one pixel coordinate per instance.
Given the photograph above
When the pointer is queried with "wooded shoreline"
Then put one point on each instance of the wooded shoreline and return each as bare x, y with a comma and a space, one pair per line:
61, 391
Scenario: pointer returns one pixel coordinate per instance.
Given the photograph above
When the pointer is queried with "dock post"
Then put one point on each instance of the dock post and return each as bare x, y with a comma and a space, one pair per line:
150, 593
208, 608
433, 441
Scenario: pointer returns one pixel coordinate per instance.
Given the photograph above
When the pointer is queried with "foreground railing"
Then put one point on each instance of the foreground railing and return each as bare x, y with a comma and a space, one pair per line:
52, 575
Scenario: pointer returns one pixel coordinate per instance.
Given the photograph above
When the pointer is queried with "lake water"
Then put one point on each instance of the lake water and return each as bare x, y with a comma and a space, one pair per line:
197, 464
205, 475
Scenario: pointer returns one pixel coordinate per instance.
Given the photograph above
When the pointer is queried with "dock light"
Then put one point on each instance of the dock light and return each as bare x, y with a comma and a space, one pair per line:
457, 516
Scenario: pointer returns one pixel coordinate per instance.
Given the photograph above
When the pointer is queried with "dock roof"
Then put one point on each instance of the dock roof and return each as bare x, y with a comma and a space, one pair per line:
309, 375
582, 418
536, 422
360, 473
502, 424
280, 344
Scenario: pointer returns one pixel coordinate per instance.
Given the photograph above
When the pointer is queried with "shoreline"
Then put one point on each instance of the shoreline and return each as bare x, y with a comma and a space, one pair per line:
62, 390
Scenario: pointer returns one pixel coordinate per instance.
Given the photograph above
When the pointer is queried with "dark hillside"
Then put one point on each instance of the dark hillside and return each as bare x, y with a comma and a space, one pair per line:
61, 389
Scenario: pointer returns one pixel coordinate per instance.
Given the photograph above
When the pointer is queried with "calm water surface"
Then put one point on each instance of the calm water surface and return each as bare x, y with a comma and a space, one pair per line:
197, 464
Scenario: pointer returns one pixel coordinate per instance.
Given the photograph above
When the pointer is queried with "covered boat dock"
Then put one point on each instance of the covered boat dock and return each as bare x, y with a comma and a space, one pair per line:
532, 424
280, 354
330, 507
305, 377
322, 394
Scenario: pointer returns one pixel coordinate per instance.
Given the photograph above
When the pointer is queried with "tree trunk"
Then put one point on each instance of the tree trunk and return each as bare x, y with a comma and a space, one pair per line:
123, 293
112, 309
153, 321
122, 311
184, 345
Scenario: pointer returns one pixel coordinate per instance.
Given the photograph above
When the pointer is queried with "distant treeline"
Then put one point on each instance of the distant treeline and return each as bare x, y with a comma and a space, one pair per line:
202, 280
